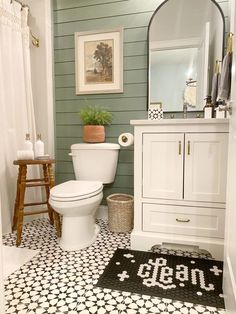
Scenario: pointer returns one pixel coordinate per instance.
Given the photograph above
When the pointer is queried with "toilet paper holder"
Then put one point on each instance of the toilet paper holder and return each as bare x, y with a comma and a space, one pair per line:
124, 138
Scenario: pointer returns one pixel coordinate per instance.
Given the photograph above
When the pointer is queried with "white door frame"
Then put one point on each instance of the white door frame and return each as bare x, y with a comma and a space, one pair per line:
229, 282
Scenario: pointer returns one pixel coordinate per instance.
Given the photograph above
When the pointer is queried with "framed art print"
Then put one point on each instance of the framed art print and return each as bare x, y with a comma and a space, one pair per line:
99, 62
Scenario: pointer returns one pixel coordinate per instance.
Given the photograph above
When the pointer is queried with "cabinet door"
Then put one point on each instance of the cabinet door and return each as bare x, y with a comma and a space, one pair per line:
163, 165
205, 167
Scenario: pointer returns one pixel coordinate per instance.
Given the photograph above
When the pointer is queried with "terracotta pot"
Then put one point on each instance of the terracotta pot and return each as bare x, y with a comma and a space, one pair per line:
94, 134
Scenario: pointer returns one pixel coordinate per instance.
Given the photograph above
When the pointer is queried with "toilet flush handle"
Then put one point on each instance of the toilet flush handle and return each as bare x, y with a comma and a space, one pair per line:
70, 154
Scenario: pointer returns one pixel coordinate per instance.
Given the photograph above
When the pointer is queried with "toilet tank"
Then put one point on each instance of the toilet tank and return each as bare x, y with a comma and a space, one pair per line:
95, 162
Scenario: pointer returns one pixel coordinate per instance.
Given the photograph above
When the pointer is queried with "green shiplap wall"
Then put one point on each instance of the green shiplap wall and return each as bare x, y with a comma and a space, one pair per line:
72, 16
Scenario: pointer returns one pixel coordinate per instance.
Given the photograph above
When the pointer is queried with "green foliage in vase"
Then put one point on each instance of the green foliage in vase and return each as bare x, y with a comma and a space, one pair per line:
95, 116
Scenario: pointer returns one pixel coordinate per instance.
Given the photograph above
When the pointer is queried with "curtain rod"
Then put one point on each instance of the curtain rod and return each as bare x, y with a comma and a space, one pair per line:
35, 40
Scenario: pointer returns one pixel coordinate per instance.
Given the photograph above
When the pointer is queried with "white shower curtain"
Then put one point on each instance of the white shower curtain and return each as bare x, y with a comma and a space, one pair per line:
16, 102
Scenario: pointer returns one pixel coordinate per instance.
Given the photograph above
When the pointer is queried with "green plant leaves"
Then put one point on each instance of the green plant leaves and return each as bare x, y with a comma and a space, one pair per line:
95, 116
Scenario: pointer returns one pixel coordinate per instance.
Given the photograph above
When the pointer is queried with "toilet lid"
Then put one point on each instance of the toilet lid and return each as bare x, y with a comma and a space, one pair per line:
75, 190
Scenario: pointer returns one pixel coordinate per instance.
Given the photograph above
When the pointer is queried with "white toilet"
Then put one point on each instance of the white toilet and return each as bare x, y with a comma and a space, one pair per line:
77, 200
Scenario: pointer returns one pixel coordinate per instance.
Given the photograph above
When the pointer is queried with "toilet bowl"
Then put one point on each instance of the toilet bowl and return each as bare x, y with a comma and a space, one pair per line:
77, 201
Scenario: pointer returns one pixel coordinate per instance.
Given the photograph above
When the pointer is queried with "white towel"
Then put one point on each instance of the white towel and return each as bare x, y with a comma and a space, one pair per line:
190, 96
25, 154
225, 80
215, 87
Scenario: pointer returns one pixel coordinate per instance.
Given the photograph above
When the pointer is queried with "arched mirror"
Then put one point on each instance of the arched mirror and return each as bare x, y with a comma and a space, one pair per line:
185, 43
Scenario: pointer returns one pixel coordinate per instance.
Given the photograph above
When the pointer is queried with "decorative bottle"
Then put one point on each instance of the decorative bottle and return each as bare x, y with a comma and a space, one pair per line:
209, 108
28, 144
39, 147
220, 114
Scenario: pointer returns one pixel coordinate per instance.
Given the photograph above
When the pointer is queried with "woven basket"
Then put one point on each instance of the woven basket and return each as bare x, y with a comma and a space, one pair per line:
120, 212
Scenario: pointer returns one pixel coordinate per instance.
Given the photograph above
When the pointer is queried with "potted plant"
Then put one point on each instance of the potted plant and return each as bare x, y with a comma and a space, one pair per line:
94, 118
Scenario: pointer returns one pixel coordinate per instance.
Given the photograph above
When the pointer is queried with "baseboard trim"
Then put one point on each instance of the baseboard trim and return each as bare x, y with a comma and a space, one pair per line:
143, 240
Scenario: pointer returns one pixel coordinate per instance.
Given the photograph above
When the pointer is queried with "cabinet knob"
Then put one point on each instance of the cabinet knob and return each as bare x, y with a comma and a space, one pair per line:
182, 220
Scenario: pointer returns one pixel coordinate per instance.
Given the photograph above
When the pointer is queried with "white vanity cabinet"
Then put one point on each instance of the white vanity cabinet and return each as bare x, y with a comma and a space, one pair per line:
180, 171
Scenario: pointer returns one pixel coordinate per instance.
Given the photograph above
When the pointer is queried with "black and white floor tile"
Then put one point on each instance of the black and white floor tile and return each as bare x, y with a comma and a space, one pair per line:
59, 282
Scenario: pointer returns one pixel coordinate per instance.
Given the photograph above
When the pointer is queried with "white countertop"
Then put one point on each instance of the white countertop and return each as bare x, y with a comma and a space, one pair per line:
179, 121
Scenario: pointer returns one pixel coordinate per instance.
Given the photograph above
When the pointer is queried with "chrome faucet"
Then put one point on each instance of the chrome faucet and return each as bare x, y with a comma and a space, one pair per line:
185, 109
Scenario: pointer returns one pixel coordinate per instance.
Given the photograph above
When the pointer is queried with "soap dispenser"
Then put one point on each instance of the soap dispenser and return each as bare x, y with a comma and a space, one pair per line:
28, 144
208, 108
220, 114
39, 147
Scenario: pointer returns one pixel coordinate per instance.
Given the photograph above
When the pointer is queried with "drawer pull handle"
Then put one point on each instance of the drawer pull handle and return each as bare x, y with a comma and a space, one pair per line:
182, 220
188, 147
180, 147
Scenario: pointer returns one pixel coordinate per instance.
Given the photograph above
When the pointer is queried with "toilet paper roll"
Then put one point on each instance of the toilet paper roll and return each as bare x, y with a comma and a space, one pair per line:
25, 154
126, 139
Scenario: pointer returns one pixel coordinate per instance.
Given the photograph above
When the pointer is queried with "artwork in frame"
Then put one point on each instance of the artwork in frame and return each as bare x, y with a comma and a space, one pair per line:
99, 62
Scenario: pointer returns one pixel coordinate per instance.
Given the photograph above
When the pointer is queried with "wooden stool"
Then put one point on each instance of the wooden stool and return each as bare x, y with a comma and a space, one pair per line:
22, 183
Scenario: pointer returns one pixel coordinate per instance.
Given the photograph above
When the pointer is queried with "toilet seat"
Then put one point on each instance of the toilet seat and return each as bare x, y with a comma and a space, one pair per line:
75, 190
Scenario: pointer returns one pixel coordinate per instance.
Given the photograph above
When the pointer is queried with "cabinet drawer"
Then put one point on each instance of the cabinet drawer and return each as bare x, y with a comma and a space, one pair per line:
195, 221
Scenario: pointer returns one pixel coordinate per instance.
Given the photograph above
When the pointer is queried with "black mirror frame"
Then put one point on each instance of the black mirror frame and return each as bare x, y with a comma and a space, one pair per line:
148, 32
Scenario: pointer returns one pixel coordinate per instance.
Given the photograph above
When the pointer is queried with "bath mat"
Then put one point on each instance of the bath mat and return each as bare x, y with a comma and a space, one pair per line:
14, 258
179, 278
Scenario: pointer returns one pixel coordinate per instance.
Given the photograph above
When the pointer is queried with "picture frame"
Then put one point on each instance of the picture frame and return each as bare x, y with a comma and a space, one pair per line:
99, 61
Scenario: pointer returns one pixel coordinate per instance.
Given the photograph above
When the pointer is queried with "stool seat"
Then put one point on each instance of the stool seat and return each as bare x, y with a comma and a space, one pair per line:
23, 162
22, 183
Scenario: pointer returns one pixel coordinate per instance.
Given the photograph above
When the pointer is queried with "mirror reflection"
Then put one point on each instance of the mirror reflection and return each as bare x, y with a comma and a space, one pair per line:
183, 52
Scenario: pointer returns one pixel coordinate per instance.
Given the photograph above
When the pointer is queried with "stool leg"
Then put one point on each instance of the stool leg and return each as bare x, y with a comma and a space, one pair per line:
57, 223
16, 208
55, 214
21, 204
47, 189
